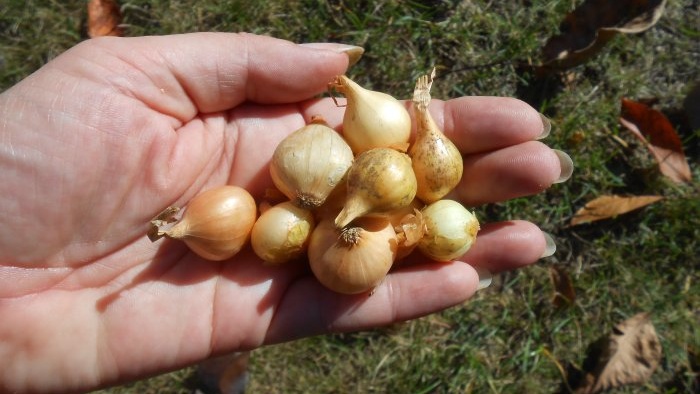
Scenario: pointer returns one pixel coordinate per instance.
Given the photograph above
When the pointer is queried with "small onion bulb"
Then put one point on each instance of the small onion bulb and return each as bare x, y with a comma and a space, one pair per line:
281, 233
353, 260
437, 162
308, 164
216, 223
450, 230
380, 180
372, 119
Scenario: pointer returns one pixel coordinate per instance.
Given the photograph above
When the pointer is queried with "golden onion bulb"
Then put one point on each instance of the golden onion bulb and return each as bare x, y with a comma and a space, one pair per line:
352, 260
380, 180
437, 162
216, 224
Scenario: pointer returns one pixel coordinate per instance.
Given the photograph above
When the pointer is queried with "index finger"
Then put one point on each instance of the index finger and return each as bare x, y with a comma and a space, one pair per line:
482, 124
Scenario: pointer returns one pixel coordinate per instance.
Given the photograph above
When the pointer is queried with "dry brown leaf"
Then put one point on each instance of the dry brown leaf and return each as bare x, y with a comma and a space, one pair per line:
606, 207
564, 293
225, 374
104, 17
586, 30
630, 355
656, 131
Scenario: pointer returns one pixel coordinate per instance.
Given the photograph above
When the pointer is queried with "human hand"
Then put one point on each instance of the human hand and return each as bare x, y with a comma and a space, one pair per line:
101, 139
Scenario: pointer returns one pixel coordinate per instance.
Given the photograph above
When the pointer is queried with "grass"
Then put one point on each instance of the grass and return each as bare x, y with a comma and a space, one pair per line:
508, 338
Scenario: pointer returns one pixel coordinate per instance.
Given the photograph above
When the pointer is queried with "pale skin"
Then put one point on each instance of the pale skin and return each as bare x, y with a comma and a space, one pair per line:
107, 135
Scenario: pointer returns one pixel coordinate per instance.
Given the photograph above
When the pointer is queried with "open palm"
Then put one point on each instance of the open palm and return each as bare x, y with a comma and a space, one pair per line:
100, 140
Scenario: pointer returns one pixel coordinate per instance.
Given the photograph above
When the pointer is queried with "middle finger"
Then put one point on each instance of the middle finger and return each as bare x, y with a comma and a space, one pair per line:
514, 171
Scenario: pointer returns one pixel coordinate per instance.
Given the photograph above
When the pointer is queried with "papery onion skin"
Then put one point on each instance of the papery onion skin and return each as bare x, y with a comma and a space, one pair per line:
397, 215
408, 225
380, 180
216, 224
309, 163
281, 233
352, 267
437, 162
372, 119
450, 230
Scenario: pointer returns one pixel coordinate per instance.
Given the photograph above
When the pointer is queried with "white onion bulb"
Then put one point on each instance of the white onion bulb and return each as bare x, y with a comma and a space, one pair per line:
281, 233
309, 163
450, 230
372, 119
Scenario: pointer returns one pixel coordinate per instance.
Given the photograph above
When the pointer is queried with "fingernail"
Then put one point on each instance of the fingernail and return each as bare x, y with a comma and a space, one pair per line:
550, 246
566, 164
546, 127
353, 52
485, 277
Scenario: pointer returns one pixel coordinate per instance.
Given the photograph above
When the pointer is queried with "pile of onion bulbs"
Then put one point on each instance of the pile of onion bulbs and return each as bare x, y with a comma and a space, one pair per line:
354, 204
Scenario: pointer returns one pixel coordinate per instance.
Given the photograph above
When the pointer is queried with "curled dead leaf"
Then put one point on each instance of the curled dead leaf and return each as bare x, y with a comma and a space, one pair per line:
564, 293
656, 132
225, 374
104, 17
630, 355
586, 30
606, 207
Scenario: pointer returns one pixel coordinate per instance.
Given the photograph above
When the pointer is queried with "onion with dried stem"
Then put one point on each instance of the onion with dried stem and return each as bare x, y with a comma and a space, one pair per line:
436, 161
216, 224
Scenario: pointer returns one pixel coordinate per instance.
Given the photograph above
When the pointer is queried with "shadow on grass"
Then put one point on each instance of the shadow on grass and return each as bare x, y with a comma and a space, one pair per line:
577, 378
537, 85
687, 378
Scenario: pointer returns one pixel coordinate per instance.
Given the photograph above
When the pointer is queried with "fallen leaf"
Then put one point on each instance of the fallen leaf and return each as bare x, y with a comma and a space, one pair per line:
586, 30
606, 207
225, 374
104, 17
564, 293
629, 356
657, 133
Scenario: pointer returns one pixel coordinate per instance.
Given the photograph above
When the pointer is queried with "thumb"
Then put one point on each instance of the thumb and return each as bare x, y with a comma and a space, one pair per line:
209, 72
